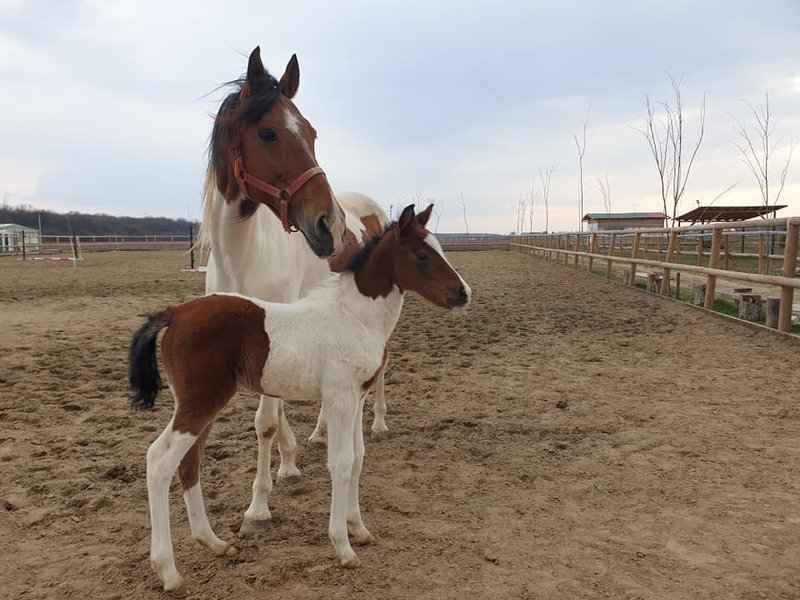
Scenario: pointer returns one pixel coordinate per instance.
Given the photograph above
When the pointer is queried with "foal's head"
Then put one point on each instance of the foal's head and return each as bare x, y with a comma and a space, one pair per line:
410, 257
262, 152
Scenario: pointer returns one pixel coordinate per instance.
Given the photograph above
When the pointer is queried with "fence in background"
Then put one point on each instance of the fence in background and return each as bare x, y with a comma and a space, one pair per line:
761, 251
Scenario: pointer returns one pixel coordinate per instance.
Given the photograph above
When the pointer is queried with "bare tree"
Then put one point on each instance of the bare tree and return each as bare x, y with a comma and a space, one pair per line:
533, 204
522, 205
544, 178
665, 137
580, 145
464, 211
757, 147
605, 191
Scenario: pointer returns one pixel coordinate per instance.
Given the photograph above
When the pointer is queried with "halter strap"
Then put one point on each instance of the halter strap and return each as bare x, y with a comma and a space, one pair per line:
284, 195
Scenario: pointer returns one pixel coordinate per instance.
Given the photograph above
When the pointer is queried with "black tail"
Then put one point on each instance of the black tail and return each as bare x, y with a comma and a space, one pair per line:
143, 376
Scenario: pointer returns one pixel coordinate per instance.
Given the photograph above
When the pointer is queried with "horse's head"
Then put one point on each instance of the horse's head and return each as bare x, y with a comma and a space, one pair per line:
262, 152
419, 264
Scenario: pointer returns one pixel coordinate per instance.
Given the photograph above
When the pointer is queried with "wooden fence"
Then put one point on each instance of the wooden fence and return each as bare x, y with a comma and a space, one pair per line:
762, 251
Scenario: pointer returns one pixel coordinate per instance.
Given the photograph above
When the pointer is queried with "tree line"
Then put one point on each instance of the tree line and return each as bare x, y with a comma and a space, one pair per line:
53, 223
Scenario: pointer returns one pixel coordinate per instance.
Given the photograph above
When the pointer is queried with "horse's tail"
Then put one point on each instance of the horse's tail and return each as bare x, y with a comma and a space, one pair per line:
143, 376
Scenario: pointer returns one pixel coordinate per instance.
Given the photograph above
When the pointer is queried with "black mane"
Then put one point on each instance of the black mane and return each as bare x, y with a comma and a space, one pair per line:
231, 114
362, 254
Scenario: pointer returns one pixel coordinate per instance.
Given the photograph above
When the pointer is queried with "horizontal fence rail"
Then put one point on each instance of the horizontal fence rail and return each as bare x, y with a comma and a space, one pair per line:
767, 254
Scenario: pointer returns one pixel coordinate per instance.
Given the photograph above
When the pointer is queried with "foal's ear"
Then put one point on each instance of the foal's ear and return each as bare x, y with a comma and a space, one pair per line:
256, 74
422, 218
290, 80
406, 218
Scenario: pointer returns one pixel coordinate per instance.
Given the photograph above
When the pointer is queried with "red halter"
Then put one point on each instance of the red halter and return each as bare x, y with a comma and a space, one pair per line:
285, 195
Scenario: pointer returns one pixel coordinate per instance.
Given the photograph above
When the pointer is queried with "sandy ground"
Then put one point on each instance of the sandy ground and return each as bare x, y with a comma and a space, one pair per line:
566, 438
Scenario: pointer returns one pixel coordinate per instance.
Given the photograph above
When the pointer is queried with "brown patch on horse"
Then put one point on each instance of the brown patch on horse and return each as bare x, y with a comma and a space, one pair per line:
372, 226
189, 469
205, 378
371, 381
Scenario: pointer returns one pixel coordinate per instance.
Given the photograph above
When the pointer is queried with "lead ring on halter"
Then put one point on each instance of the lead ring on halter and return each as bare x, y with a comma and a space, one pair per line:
285, 195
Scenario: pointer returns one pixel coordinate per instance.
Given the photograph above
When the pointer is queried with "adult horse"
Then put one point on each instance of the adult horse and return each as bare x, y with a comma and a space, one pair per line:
261, 152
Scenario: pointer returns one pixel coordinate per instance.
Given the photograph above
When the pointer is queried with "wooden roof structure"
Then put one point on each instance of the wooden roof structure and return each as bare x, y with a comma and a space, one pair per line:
724, 214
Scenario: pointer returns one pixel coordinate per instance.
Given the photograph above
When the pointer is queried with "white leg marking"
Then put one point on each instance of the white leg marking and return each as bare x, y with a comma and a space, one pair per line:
318, 435
163, 458
266, 423
198, 521
287, 447
355, 525
340, 416
379, 407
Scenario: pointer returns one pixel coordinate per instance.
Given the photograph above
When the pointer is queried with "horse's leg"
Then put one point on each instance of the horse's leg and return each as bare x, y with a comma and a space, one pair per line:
257, 516
355, 525
189, 473
287, 448
318, 436
340, 416
163, 458
379, 407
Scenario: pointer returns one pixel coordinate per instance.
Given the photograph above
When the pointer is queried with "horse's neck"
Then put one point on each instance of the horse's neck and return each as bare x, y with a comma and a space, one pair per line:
255, 257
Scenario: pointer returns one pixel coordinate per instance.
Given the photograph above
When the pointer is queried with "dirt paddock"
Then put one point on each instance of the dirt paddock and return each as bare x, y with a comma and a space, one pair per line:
565, 438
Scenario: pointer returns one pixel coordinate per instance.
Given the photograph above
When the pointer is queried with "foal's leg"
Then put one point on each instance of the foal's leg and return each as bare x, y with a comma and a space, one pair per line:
379, 407
319, 436
340, 416
163, 458
355, 525
257, 516
189, 473
287, 447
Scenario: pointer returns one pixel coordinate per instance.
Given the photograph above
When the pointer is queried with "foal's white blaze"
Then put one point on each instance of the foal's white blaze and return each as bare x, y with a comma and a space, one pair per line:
434, 243
293, 124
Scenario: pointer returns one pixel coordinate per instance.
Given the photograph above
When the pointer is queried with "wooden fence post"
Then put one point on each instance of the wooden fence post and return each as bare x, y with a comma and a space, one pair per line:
566, 249
578, 237
762, 259
713, 263
726, 263
789, 266
699, 250
634, 255
610, 262
593, 250
673, 239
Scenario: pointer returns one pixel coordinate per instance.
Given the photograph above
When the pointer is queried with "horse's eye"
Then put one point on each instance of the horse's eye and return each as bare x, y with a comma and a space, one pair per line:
267, 136
422, 256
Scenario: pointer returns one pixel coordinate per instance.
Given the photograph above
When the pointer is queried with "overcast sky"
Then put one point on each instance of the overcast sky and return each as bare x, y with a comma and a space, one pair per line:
105, 104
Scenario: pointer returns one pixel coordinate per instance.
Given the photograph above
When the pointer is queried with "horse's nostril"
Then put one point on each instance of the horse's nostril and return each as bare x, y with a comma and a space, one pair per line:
463, 292
322, 225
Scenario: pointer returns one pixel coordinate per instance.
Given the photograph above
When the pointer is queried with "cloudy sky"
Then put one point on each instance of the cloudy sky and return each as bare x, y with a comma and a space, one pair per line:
106, 102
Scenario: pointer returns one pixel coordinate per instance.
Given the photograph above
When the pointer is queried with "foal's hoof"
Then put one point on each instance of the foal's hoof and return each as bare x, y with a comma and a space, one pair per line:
318, 440
252, 528
177, 589
351, 562
288, 478
379, 434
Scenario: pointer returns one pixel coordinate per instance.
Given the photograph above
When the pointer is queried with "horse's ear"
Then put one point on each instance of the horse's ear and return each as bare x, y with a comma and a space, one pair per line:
256, 74
291, 78
406, 218
422, 218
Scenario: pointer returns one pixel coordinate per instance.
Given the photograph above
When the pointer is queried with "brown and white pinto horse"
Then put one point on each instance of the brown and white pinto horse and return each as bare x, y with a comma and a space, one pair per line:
262, 152
328, 346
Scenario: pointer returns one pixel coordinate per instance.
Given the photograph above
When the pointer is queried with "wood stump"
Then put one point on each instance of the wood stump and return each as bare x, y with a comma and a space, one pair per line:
654, 282
773, 309
699, 293
750, 307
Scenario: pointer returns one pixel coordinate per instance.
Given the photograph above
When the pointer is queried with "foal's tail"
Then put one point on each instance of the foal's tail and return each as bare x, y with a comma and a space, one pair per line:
143, 376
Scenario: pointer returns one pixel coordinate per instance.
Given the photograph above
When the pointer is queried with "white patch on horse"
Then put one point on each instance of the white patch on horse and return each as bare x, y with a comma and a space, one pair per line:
293, 125
431, 240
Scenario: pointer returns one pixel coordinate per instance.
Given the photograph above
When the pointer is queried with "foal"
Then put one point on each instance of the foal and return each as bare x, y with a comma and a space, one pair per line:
328, 346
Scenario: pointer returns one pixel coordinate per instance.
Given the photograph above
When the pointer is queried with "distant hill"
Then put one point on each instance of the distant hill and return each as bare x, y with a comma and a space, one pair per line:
54, 223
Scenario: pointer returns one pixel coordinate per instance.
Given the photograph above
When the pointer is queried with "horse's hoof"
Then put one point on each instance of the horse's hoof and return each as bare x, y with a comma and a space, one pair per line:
177, 589
351, 562
232, 551
252, 528
364, 540
318, 440
379, 434
289, 479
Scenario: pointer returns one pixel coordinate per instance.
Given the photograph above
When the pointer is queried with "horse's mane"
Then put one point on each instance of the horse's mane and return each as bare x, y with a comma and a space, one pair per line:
363, 253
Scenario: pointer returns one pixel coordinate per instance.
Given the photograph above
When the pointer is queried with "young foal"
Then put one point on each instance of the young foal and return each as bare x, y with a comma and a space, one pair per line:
329, 346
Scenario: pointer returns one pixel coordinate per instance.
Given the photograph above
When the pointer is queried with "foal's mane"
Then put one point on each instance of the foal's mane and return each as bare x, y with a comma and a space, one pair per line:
362, 254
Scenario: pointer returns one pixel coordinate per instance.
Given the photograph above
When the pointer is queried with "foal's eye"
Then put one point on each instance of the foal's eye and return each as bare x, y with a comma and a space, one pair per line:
268, 136
422, 257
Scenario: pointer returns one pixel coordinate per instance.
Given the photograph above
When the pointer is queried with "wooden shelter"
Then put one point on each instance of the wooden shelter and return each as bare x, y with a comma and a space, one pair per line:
726, 214
617, 221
